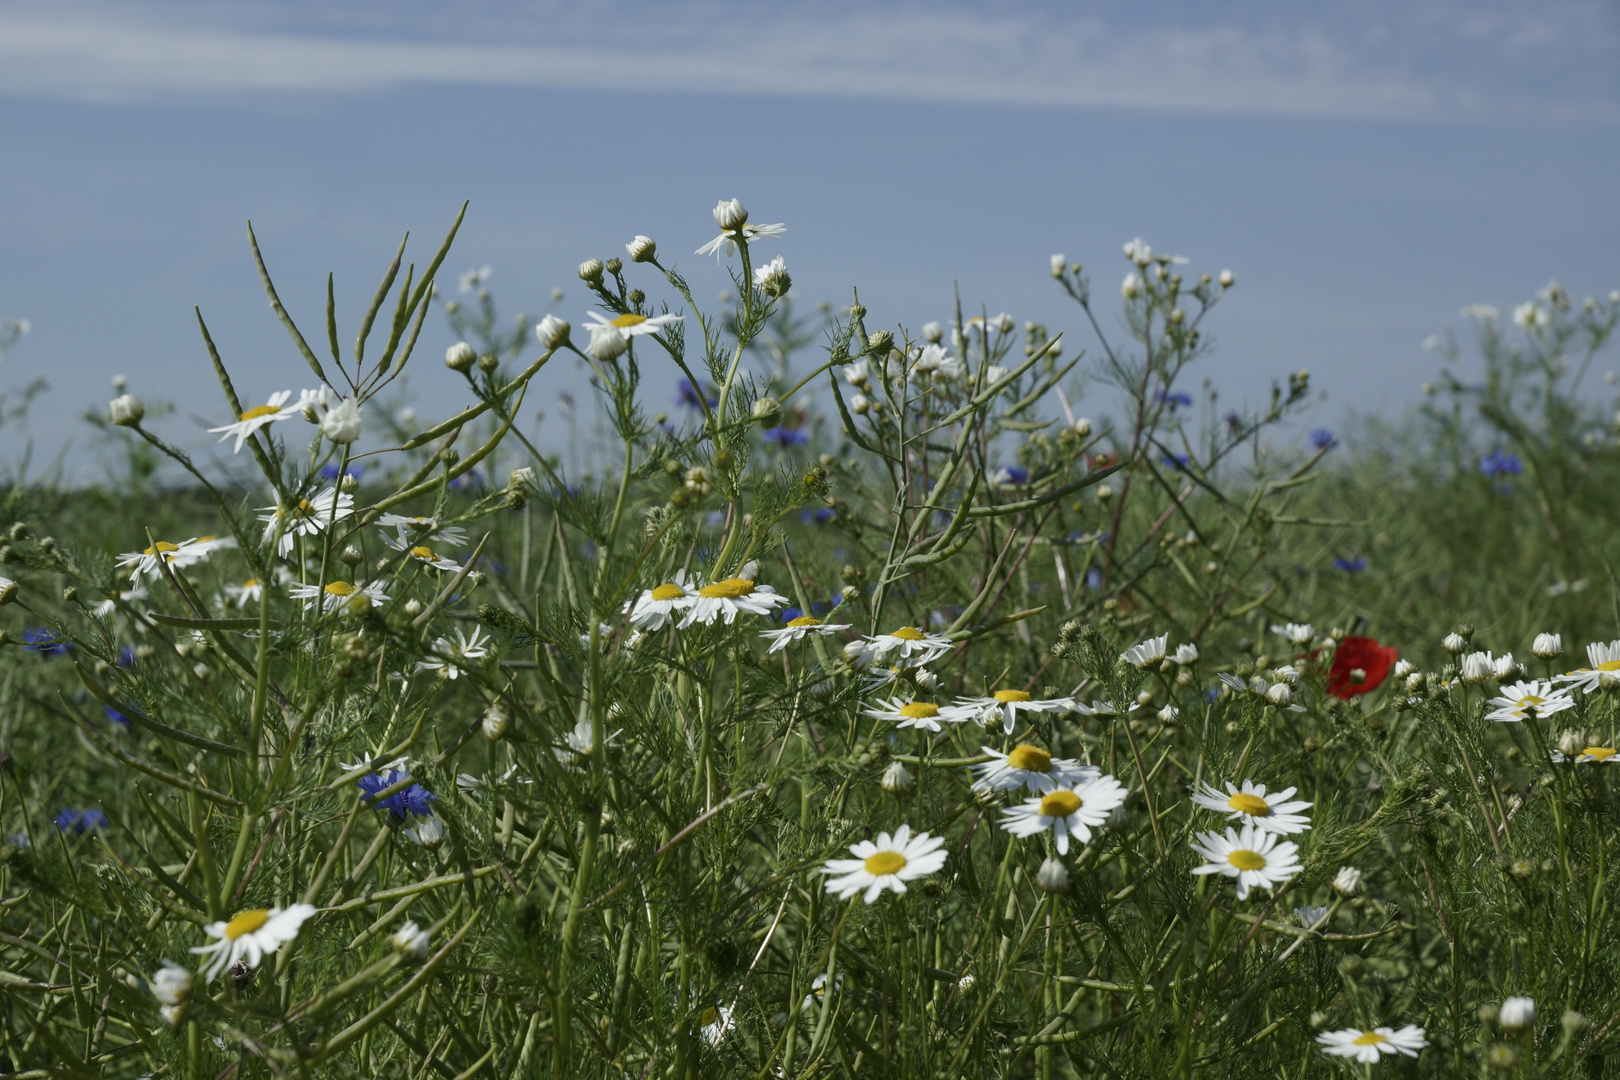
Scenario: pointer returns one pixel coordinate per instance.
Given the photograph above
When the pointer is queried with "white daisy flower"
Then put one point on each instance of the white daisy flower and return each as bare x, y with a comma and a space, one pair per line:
451, 658
731, 597
1310, 917
178, 556
427, 832
716, 1022
257, 417
886, 863
1146, 655
171, 984
1530, 700
1597, 755
1071, 811
250, 937
857, 374
1297, 633
423, 530
1185, 654
797, 630
661, 605
421, 553
309, 518
1009, 703
732, 218
1278, 694
110, 605
1602, 660
818, 990
1253, 806
910, 644
1368, 1046
338, 593
1482, 666
1254, 856
1029, 767
917, 714
629, 324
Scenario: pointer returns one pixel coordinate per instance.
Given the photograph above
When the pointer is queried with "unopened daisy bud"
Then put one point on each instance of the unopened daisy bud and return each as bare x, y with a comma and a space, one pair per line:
590, 272
896, 778
126, 410
932, 333
172, 1015
608, 343
1502, 1057
1185, 654
1053, 876
1547, 646
1517, 1013
460, 357
773, 279
1453, 644
1104, 493
411, 942
859, 404
1169, 715
552, 332
767, 412
1082, 427
879, 342
1280, 694
495, 723
965, 984
8, 590
1572, 742
641, 249
413, 607
730, 214
925, 679
341, 424
1573, 1022
1347, 882
1403, 668
1415, 682
171, 985
1058, 263
1226, 279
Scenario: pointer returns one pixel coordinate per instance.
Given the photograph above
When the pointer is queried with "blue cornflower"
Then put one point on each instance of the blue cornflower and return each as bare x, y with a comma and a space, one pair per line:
471, 480
1009, 476
1350, 566
1177, 461
785, 436
118, 719
126, 656
1322, 439
1498, 463
45, 643
1174, 398
1095, 579
330, 472
413, 800
79, 822
819, 516
686, 394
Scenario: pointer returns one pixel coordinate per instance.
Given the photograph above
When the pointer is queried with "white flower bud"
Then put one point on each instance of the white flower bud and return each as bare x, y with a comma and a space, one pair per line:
413, 607
1280, 694
925, 679
932, 333
341, 424
1347, 882
1058, 263
552, 332
172, 1015
126, 410
1082, 427
1185, 654
411, 942
965, 984
1517, 1014
1226, 279
608, 343
1547, 646
1131, 287
590, 272
460, 357
1453, 644
641, 249
1053, 876
1169, 714
896, 778
1414, 682
1403, 668
8, 591
730, 215
496, 723
859, 404
171, 985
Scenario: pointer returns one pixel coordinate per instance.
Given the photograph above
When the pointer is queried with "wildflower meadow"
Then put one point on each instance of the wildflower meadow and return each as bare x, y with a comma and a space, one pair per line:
972, 699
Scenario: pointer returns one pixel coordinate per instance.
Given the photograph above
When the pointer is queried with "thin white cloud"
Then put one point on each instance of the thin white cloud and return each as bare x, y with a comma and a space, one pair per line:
120, 54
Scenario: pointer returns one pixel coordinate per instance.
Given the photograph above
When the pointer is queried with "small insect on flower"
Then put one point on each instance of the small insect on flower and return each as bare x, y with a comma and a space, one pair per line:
917, 714
1031, 768
1253, 806
1368, 1046
250, 936
274, 410
886, 863
309, 518
335, 594
661, 605
1067, 811
797, 630
1603, 667
1007, 704
729, 598
451, 658
1255, 857
1528, 701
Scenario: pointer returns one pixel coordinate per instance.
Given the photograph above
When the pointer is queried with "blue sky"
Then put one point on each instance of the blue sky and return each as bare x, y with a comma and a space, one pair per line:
1365, 170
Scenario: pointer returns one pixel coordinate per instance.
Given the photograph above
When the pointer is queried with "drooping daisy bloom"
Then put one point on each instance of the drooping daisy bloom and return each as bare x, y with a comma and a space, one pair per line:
1029, 767
451, 658
177, 556
1009, 703
797, 630
339, 593
1147, 655
1253, 806
1297, 633
655, 607
731, 597
251, 936
309, 518
1602, 660
421, 553
423, 530
917, 714
1254, 856
1067, 811
1529, 701
1368, 1046
908, 643
732, 218
257, 417
1596, 755
886, 863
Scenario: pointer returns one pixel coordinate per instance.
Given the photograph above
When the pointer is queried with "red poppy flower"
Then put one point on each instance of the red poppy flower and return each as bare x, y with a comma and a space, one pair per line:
1362, 654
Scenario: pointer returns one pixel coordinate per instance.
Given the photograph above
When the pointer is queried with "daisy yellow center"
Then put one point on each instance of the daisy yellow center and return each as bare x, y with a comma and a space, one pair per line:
729, 589
161, 545
246, 923
805, 620
260, 410
885, 862
908, 633
1060, 804
1030, 759
1253, 805
1530, 701
305, 507
919, 710
668, 592
251, 583
710, 1015
424, 553
1245, 859
1599, 753
1609, 665
1368, 1038
626, 321
340, 588
206, 539
1012, 695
